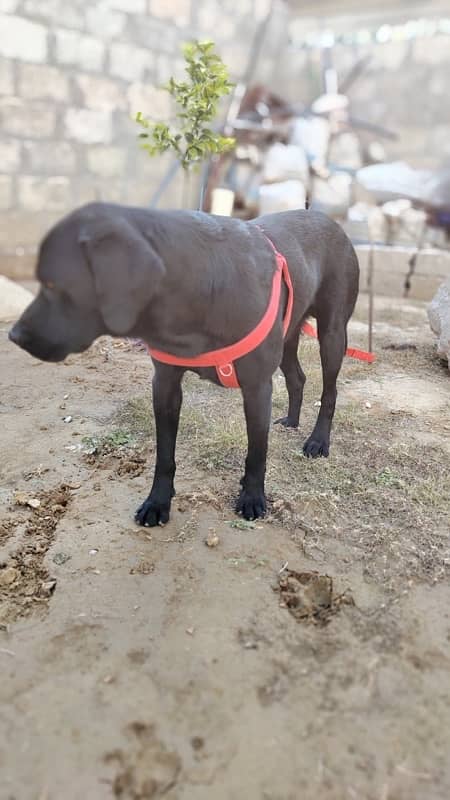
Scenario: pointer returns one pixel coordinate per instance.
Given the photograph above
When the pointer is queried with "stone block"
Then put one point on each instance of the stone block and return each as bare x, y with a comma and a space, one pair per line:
435, 50
105, 23
107, 162
21, 229
22, 39
211, 18
6, 77
130, 63
390, 271
102, 94
6, 192
391, 268
50, 157
153, 34
9, 155
25, 119
154, 103
95, 188
42, 81
439, 317
88, 126
424, 287
56, 11
130, 6
79, 50
8, 6
36, 193
19, 265
177, 11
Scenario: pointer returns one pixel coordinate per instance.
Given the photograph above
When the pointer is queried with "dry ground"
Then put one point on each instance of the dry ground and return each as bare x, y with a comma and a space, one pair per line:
142, 663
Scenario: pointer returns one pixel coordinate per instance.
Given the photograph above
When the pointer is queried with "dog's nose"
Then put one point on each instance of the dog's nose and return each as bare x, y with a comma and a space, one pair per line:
17, 335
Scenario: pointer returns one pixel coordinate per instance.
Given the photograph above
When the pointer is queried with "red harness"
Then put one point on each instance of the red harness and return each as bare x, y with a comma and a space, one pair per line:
224, 358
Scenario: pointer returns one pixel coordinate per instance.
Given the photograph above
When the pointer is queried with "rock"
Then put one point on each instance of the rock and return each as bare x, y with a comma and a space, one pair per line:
212, 539
439, 317
8, 576
13, 299
283, 196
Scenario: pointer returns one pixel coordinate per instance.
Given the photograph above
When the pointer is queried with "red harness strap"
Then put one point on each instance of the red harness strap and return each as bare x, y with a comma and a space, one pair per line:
223, 358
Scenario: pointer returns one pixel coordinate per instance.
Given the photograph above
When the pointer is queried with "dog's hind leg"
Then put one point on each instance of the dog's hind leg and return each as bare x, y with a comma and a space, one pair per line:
167, 398
295, 381
332, 330
257, 407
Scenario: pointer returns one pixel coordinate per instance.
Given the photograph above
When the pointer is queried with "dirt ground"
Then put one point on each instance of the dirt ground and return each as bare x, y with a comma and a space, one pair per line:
303, 657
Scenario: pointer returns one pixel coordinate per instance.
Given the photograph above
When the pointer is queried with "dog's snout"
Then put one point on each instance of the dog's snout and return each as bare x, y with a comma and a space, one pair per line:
17, 334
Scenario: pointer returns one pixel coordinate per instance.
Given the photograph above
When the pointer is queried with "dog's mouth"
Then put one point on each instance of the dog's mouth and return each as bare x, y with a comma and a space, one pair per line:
37, 347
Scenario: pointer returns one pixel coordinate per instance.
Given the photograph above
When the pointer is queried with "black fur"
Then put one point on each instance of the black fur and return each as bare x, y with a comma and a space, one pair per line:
188, 282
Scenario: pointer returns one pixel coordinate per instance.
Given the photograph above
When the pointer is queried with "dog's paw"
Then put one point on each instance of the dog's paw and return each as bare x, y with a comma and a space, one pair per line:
252, 505
314, 448
286, 422
152, 513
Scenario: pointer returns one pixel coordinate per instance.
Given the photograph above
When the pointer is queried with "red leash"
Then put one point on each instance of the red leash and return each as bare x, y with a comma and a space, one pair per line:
351, 352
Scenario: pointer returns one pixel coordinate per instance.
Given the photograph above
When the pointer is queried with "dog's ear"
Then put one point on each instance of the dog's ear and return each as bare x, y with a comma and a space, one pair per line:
126, 270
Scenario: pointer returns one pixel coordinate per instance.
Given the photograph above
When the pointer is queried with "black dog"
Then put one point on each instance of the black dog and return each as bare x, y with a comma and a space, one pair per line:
187, 283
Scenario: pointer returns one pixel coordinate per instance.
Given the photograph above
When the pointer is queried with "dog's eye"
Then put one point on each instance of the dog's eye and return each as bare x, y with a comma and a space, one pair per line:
49, 284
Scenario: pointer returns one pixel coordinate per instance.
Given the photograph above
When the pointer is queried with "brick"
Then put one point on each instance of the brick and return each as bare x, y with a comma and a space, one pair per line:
104, 22
101, 93
42, 81
22, 39
107, 162
6, 192
79, 50
9, 155
154, 103
130, 6
50, 157
56, 11
88, 126
6, 77
177, 11
50, 194
130, 63
25, 119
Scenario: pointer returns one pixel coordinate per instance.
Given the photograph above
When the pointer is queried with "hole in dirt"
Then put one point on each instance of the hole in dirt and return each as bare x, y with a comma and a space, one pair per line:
25, 583
310, 597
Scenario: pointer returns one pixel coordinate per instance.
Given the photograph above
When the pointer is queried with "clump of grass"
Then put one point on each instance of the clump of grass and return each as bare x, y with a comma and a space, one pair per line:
108, 443
136, 415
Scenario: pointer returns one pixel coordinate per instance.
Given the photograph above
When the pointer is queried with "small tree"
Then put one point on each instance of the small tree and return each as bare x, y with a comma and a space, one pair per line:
197, 100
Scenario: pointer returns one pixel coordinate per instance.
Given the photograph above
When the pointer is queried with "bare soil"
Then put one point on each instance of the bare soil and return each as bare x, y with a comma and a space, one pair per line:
302, 657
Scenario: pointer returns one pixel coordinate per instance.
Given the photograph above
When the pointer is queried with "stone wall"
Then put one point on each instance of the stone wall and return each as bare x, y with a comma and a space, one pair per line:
72, 74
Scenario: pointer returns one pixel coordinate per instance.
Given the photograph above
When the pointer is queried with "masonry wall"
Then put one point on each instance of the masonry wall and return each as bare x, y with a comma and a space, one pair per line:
72, 74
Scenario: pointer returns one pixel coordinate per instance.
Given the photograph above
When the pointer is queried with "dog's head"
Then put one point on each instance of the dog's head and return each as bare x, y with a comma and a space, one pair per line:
98, 273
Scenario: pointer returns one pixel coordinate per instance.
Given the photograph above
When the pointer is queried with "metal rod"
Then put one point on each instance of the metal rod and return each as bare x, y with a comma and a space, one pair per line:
166, 181
371, 287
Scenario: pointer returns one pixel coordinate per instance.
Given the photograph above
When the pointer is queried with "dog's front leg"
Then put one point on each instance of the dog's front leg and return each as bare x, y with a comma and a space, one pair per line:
167, 397
257, 406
